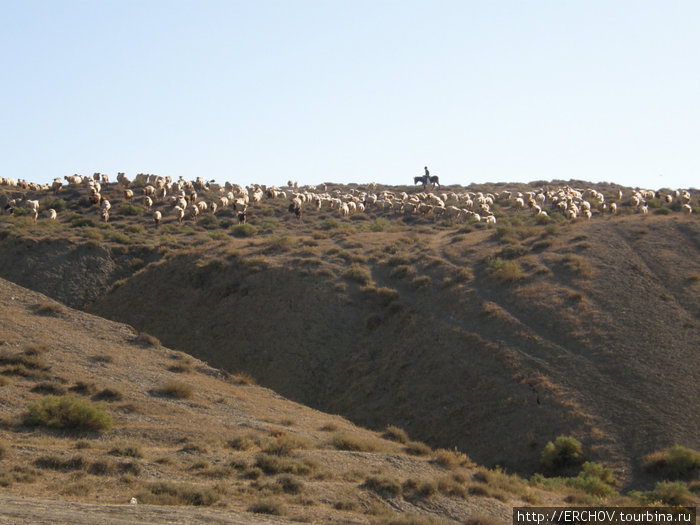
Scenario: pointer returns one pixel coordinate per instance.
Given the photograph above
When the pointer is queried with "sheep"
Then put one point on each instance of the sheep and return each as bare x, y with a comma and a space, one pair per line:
148, 202
52, 214
128, 194
242, 218
180, 213
33, 204
57, 185
34, 214
106, 205
157, 216
105, 214
687, 209
613, 208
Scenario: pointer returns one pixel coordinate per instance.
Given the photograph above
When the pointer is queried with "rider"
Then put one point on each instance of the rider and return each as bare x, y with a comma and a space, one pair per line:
427, 173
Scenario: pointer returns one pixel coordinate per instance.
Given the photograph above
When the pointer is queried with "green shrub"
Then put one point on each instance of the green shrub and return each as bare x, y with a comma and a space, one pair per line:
506, 271
117, 237
209, 222
129, 210
243, 230
675, 462
66, 412
668, 493
53, 202
330, 224
564, 452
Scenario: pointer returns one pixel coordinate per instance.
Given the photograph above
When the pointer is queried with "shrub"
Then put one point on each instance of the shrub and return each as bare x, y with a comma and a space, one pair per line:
564, 452
129, 209
419, 489
270, 464
668, 493
118, 237
52, 309
147, 340
395, 434
420, 281
280, 243
49, 388
81, 387
343, 441
167, 493
57, 463
578, 265
417, 448
209, 222
175, 389
109, 394
383, 485
268, 506
506, 271
132, 450
330, 224
67, 412
451, 458
243, 230
358, 274
675, 462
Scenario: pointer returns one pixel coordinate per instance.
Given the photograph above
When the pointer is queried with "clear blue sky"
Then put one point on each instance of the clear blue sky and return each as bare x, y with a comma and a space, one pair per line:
352, 90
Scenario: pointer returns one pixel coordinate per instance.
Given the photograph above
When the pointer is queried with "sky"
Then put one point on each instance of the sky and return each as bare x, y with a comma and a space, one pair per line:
352, 91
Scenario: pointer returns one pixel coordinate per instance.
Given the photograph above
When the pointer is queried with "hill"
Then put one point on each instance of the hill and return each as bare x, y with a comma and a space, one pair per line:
494, 338
184, 434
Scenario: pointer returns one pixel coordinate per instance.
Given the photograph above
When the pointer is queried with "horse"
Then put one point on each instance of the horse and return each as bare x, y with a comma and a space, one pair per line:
427, 179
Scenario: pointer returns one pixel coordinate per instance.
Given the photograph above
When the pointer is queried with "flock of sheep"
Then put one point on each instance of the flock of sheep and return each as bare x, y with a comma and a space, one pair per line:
182, 198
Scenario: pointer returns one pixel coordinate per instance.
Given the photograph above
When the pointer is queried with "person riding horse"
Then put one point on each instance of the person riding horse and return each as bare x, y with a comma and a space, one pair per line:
427, 179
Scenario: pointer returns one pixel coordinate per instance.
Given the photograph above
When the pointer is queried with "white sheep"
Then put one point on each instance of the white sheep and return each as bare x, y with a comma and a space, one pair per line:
687, 209
180, 213
52, 214
157, 216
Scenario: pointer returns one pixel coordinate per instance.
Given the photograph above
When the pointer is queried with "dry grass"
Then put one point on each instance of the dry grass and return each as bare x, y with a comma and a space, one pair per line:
175, 390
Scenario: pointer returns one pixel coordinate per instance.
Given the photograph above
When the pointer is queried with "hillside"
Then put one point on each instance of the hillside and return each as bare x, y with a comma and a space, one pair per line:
194, 443
492, 338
